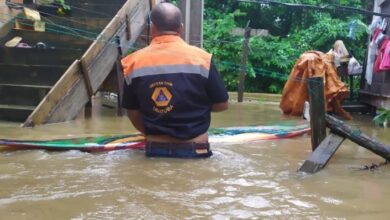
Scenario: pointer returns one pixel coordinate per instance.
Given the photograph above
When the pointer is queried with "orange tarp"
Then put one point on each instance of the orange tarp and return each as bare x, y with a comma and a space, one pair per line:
312, 64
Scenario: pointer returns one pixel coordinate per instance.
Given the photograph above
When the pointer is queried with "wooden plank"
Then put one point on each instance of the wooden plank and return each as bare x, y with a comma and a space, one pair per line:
104, 39
6, 28
102, 66
102, 10
355, 135
322, 154
128, 28
317, 110
19, 107
71, 104
79, 25
87, 80
373, 99
81, 3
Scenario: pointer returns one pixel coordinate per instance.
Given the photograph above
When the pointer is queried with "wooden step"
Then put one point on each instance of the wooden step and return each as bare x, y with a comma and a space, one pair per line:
51, 39
25, 86
95, 25
107, 10
30, 75
28, 95
90, 9
18, 107
356, 107
16, 113
94, 2
35, 56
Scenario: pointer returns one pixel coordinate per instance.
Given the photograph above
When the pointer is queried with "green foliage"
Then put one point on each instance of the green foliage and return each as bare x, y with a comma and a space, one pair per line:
225, 47
383, 117
292, 32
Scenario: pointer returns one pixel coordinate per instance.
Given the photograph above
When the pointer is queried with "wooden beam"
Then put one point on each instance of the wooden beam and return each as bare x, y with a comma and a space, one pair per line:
322, 154
128, 28
317, 110
355, 135
87, 80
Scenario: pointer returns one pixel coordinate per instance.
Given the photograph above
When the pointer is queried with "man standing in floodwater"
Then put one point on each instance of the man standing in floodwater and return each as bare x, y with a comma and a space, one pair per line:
171, 89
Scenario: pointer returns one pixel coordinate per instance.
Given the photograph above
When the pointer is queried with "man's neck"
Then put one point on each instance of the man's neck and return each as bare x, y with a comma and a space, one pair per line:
166, 33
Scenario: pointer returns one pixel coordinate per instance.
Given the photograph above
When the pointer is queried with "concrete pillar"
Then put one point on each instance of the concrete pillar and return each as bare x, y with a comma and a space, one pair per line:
192, 11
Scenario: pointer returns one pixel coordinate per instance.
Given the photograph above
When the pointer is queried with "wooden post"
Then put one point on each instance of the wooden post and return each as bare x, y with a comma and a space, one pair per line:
245, 47
317, 110
119, 72
128, 27
87, 82
192, 11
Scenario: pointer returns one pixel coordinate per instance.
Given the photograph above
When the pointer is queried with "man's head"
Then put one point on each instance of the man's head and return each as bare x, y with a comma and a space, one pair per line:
166, 18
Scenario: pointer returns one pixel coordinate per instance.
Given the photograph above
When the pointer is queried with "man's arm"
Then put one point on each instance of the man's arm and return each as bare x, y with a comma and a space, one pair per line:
219, 107
131, 103
136, 119
217, 91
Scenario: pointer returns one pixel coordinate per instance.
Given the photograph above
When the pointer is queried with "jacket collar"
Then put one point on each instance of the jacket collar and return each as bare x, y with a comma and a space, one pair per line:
166, 39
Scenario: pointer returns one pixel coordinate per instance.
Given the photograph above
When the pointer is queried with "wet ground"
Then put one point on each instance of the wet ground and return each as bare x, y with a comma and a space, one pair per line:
241, 181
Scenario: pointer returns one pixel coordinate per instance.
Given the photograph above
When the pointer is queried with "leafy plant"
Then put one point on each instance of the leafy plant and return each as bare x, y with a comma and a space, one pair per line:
63, 7
383, 117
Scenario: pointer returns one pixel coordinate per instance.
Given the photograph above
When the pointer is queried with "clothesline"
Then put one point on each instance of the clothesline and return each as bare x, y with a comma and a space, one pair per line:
327, 7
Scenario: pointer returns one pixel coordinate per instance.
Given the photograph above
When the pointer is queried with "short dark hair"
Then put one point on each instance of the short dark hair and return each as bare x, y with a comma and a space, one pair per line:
166, 17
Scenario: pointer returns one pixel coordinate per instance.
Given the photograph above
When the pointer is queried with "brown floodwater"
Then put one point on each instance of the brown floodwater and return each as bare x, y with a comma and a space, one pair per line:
255, 180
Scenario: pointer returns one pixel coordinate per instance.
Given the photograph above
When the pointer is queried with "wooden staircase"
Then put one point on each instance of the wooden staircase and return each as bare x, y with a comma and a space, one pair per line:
52, 83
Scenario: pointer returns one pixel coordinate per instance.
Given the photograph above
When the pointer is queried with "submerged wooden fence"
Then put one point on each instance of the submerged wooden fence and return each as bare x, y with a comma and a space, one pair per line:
324, 147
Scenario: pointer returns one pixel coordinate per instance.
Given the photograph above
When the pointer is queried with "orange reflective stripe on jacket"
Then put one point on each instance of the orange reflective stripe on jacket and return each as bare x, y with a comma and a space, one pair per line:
167, 54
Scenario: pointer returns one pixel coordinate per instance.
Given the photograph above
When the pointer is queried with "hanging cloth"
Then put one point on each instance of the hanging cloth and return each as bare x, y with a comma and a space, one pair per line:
385, 64
379, 57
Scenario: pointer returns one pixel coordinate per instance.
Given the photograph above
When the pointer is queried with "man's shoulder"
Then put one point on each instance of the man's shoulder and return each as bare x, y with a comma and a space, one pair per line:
140, 52
135, 56
198, 49
198, 52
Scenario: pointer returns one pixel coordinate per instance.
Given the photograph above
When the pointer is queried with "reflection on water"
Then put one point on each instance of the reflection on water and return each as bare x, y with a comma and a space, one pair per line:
247, 181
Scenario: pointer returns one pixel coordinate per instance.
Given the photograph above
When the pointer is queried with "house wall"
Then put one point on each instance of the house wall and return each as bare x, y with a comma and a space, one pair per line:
378, 93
